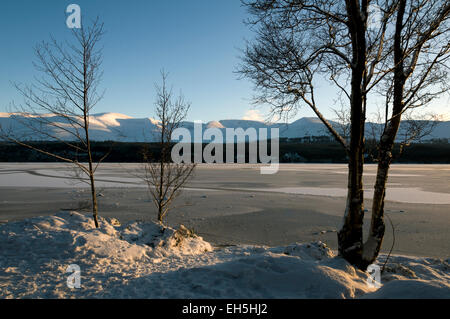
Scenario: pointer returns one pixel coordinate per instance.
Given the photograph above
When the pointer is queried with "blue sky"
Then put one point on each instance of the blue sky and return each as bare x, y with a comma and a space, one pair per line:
196, 41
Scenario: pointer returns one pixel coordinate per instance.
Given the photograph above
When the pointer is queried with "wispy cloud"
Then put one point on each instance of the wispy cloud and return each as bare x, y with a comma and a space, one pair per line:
253, 115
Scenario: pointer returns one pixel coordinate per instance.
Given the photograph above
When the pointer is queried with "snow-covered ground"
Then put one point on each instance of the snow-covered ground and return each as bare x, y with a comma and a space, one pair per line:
144, 260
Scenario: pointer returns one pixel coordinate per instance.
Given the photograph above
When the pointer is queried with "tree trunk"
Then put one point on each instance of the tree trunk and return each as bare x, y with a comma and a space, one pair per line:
94, 197
377, 227
161, 163
350, 239
91, 173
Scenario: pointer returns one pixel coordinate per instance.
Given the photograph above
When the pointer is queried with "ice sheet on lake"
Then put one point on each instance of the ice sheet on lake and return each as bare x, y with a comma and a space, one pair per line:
396, 194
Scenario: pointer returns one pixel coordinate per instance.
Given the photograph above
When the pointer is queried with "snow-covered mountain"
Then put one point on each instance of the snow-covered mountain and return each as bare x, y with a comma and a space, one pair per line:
120, 127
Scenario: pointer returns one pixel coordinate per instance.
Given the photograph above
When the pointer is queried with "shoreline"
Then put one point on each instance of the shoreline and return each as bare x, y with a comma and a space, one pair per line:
230, 206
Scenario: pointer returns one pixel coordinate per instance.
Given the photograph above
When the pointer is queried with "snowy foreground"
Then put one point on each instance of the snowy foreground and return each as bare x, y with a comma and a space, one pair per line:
143, 260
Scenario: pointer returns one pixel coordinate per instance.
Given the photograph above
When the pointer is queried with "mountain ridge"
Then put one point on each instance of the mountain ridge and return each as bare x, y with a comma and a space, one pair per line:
120, 127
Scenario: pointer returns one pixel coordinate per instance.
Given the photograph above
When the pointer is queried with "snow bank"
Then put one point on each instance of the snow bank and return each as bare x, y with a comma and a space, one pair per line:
165, 240
414, 277
35, 253
146, 260
258, 272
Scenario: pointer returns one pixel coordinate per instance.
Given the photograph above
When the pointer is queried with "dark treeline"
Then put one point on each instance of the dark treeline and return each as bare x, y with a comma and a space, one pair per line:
290, 152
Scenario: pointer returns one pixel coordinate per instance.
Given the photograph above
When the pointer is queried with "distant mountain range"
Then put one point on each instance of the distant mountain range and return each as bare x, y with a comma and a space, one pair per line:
119, 127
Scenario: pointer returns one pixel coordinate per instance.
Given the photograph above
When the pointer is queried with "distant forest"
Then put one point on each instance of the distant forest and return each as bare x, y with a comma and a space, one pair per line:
433, 152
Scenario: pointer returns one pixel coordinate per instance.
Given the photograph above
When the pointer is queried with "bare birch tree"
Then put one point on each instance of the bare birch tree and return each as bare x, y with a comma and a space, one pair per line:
420, 51
299, 41
164, 178
68, 89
